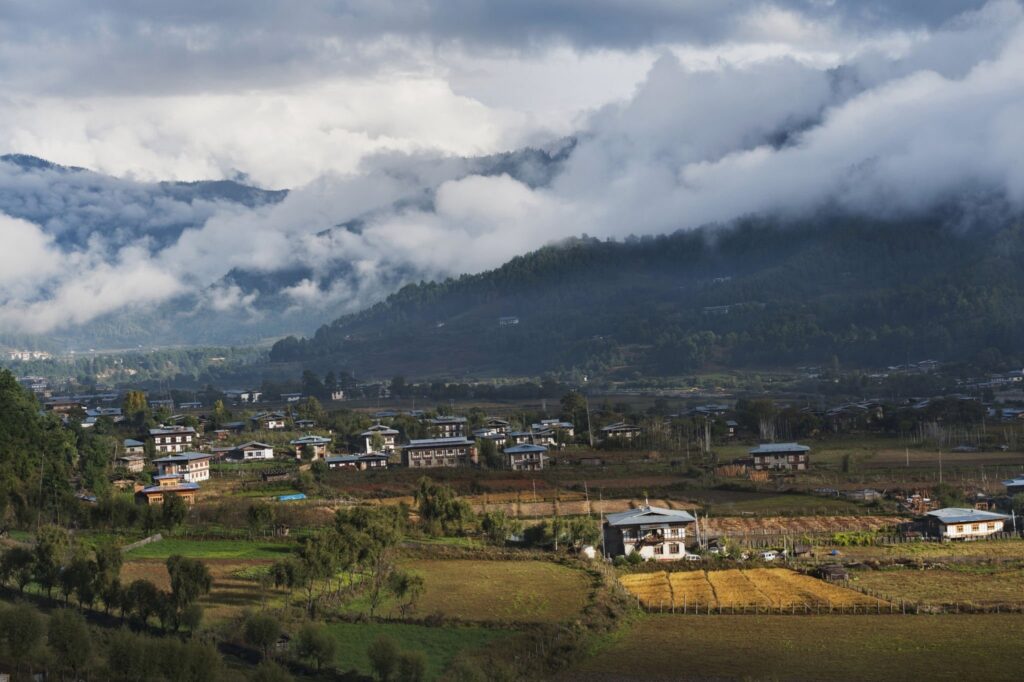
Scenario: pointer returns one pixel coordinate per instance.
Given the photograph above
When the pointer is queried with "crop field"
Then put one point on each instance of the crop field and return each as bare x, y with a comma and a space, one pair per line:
211, 549
234, 588
981, 586
837, 648
795, 525
734, 589
519, 591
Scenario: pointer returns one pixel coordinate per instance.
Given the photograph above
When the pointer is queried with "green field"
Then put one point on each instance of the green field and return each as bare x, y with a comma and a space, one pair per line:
211, 549
982, 550
441, 645
954, 647
515, 591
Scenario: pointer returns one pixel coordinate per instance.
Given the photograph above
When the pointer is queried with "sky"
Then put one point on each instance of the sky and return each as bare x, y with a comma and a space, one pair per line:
683, 113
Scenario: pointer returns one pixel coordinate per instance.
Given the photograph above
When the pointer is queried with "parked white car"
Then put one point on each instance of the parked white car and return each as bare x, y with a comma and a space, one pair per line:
691, 557
770, 555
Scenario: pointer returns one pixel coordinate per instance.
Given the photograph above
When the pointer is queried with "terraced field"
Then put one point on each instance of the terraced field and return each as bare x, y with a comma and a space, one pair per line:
765, 588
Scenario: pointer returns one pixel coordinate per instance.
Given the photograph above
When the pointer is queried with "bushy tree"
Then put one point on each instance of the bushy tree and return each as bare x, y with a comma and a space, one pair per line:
190, 580
313, 642
261, 630
70, 640
383, 654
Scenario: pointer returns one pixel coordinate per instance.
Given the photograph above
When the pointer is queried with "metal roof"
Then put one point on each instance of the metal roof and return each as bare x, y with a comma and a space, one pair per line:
310, 440
1019, 480
170, 488
648, 515
171, 431
182, 457
961, 515
770, 448
432, 442
132, 443
524, 448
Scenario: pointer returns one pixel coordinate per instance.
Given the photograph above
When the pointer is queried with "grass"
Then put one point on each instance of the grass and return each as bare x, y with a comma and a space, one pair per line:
440, 645
233, 589
976, 585
211, 549
836, 648
519, 591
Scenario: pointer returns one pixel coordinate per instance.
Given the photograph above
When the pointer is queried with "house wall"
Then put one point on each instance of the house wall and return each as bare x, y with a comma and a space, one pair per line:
622, 542
971, 530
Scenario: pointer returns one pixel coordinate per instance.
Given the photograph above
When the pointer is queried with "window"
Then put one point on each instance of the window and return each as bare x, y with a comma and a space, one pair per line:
974, 528
673, 548
959, 529
659, 549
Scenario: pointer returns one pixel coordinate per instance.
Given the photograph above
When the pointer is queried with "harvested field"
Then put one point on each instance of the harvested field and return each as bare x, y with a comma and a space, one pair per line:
794, 525
778, 588
578, 507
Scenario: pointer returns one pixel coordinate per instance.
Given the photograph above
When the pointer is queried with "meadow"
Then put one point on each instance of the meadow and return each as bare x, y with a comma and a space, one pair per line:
510, 591
211, 549
838, 648
981, 586
440, 645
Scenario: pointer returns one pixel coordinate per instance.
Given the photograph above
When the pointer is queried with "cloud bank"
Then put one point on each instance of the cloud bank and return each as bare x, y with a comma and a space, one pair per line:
389, 135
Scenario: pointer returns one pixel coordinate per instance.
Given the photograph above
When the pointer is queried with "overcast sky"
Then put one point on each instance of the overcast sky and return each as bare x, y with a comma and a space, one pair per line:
685, 112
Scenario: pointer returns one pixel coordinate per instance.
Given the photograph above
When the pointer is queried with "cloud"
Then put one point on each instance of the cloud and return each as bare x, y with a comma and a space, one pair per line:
879, 110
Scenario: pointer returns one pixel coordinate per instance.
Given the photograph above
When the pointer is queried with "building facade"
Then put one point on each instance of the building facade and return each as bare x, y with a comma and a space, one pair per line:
955, 523
193, 467
526, 457
171, 439
439, 452
780, 457
652, 532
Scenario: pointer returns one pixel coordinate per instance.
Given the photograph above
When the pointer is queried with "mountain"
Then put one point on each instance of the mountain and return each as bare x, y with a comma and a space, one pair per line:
758, 293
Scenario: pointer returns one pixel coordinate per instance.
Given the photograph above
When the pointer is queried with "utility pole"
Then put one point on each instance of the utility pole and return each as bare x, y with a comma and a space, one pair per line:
590, 431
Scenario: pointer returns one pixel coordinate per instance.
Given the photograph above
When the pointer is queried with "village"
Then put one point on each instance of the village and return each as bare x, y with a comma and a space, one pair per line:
745, 508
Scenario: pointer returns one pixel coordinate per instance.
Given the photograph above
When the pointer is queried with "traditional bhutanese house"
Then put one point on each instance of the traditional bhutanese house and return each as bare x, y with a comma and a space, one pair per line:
165, 403
500, 440
268, 421
526, 457
731, 425
311, 447
955, 523
132, 463
447, 427
170, 439
251, 451
520, 437
388, 438
559, 427
165, 486
192, 466
653, 532
780, 457
1014, 486
621, 431
133, 447
439, 452
291, 397
495, 425
305, 424
361, 462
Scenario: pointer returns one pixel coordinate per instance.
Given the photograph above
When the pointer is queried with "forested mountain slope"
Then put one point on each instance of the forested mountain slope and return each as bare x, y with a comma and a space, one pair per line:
757, 293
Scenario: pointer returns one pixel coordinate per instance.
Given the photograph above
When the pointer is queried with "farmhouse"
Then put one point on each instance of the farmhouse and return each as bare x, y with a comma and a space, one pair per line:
653, 532
780, 457
1014, 486
361, 462
526, 457
268, 421
132, 463
621, 431
168, 485
192, 466
954, 523
495, 425
133, 447
439, 452
385, 436
249, 452
170, 439
566, 429
311, 447
447, 427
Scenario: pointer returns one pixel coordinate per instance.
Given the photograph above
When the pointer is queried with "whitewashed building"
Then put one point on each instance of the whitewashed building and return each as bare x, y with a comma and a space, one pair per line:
653, 532
956, 523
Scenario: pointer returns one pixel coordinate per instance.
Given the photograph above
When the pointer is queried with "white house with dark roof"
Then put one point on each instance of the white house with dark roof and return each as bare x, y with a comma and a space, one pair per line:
268, 421
310, 446
193, 467
388, 438
133, 447
780, 457
621, 431
1015, 485
439, 452
956, 523
171, 439
653, 532
526, 457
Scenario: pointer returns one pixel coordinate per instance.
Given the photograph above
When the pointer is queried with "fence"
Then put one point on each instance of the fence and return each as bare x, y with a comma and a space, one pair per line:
143, 542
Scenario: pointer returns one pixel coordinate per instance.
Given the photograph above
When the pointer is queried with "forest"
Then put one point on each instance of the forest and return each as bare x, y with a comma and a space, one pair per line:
758, 293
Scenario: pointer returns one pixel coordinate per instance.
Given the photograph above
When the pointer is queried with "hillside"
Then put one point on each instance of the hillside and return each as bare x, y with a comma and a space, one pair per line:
754, 294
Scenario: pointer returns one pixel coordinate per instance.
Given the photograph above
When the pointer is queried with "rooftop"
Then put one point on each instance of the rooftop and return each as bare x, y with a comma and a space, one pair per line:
169, 488
648, 515
310, 440
432, 442
774, 448
963, 515
524, 449
182, 457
